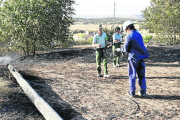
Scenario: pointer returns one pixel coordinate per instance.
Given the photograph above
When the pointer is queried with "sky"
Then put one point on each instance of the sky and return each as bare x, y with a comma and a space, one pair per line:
105, 8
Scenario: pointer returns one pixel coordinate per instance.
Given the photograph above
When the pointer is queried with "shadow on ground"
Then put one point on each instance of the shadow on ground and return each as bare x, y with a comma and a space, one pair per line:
160, 97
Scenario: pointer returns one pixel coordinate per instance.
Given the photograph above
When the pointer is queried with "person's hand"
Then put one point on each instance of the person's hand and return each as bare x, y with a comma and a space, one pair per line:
98, 45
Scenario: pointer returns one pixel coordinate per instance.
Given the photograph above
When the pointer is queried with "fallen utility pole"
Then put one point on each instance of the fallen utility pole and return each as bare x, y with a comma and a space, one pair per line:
44, 108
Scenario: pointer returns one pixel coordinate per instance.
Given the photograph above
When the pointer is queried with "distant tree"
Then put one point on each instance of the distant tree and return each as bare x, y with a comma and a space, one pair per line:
109, 33
32, 25
162, 18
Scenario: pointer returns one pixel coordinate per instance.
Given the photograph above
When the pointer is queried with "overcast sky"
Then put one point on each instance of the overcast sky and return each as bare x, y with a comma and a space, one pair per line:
105, 8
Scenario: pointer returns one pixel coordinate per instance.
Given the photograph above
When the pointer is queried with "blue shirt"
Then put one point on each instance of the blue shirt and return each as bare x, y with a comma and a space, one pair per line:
116, 37
134, 46
97, 39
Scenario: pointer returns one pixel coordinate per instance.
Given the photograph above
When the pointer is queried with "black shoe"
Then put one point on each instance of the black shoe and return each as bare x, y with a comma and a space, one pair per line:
142, 93
99, 75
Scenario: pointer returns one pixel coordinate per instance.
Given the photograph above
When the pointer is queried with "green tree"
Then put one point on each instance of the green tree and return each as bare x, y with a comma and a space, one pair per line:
109, 33
32, 25
162, 18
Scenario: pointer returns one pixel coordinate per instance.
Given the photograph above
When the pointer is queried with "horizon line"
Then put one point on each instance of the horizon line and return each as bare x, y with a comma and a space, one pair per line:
102, 16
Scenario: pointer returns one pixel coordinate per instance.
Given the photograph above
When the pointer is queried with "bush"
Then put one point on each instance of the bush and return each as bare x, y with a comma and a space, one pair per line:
80, 35
90, 40
147, 38
83, 42
109, 33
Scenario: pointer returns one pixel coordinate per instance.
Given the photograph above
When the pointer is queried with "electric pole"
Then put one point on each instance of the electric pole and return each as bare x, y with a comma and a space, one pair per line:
114, 15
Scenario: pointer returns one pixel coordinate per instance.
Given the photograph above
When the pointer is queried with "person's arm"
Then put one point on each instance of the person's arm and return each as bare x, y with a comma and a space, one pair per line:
126, 45
94, 43
117, 40
114, 38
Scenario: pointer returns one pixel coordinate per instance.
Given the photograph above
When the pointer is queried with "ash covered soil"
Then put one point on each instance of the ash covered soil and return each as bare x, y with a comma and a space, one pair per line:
66, 79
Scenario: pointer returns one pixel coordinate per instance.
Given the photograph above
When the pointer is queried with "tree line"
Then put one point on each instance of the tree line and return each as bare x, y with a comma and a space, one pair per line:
32, 25
108, 20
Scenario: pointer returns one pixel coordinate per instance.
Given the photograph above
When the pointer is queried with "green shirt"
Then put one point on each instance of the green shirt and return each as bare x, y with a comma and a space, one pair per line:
97, 39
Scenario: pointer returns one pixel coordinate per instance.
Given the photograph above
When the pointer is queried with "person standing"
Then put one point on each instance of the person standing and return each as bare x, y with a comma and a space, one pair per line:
100, 41
117, 41
136, 50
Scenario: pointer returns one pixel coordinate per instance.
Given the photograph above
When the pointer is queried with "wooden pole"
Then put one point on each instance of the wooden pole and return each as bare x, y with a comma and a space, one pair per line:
44, 108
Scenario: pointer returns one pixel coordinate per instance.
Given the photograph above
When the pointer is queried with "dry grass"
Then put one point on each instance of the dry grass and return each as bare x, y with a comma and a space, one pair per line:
94, 27
4, 89
88, 27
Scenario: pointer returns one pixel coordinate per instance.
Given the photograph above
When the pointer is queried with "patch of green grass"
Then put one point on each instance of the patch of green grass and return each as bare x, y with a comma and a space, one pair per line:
147, 38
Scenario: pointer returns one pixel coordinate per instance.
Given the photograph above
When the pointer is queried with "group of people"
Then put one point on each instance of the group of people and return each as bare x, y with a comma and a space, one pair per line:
133, 45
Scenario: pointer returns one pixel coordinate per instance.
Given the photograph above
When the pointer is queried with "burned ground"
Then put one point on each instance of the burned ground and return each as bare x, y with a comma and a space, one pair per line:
66, 79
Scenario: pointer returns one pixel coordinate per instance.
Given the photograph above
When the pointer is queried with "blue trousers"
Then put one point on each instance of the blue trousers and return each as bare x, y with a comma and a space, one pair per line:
136, 67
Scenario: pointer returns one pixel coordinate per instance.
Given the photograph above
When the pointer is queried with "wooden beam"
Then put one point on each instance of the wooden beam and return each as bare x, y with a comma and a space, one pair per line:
44, 108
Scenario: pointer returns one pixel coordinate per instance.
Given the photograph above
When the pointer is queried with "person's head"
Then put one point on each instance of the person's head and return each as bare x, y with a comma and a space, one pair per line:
128, 26
117, 29
100, 28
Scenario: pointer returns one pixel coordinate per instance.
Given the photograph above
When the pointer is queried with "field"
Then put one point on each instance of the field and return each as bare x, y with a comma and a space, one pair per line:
86, 27
94, 27
66, 79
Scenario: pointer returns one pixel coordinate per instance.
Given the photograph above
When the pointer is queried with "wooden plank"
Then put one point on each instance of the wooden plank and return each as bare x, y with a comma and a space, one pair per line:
44, 108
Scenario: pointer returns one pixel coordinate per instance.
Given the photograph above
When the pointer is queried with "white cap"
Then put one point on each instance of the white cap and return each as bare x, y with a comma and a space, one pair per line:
126, 24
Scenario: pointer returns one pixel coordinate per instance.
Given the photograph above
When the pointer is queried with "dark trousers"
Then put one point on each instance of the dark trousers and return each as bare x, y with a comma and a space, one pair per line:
115, 59
100, 55
136, 67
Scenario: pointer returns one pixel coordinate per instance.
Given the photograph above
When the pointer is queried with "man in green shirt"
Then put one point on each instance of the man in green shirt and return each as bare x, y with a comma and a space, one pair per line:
100, 41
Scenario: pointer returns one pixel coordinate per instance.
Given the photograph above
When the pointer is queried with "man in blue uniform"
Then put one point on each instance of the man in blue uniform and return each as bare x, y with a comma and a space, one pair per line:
136, 50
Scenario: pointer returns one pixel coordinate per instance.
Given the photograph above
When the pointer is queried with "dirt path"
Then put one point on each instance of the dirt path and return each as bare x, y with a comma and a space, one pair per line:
69, 84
